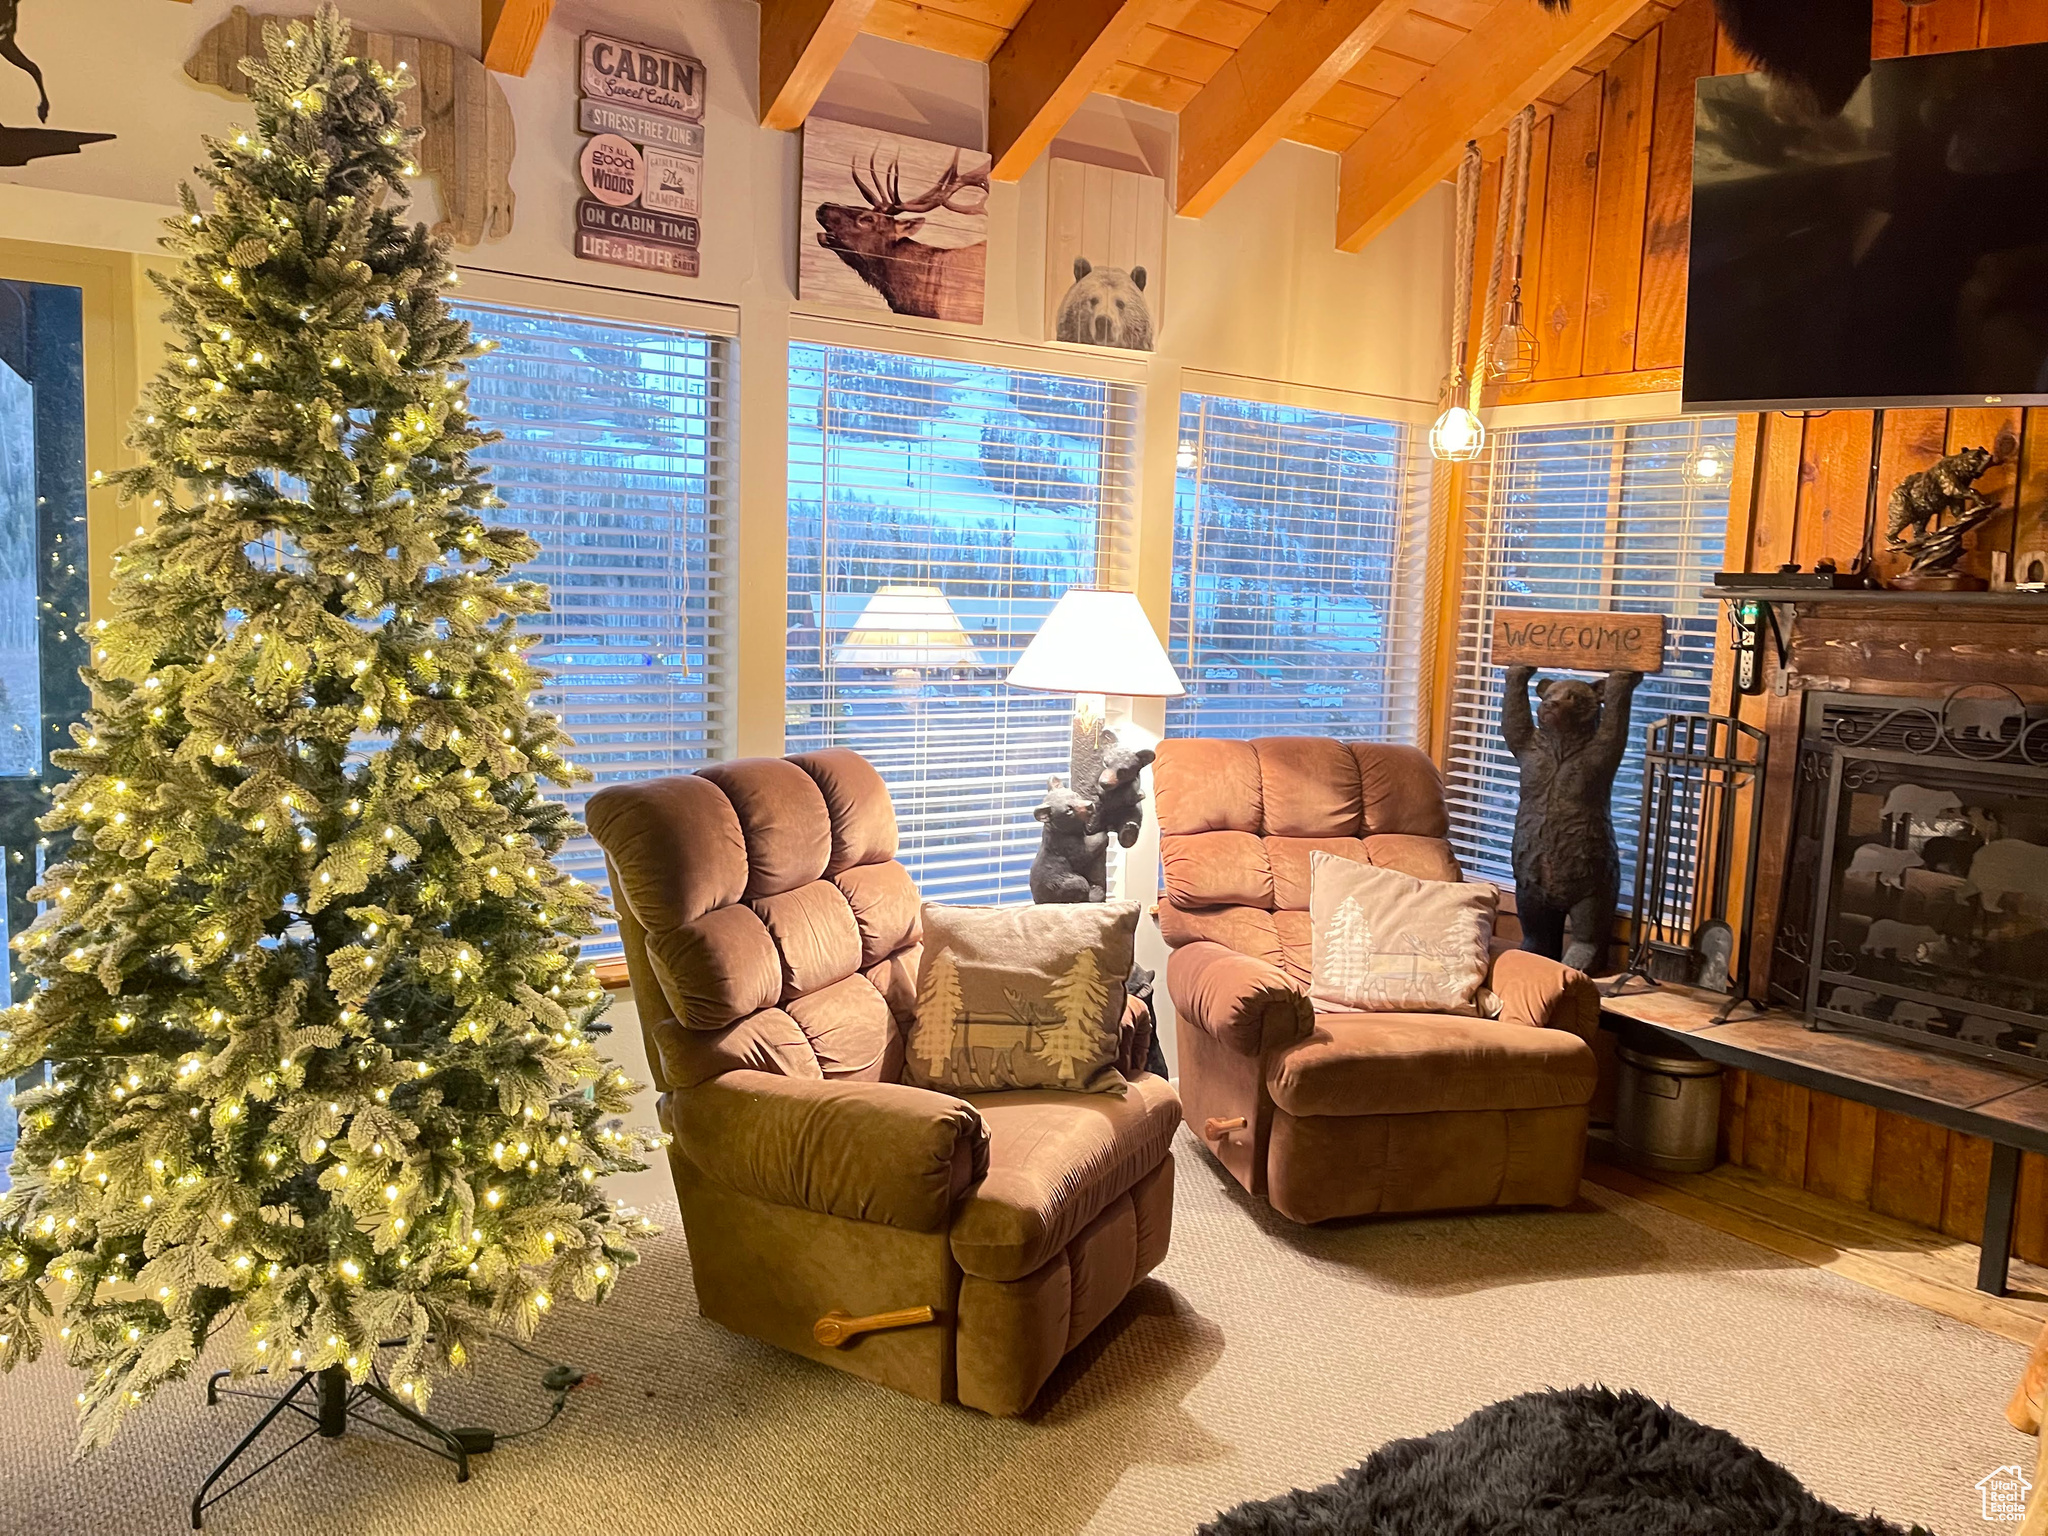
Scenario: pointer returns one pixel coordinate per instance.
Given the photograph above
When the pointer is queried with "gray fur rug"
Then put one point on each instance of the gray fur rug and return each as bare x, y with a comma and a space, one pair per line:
1584, 1462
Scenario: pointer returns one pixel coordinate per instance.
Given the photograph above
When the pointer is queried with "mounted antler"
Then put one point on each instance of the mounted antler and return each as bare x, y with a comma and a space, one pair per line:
884, 190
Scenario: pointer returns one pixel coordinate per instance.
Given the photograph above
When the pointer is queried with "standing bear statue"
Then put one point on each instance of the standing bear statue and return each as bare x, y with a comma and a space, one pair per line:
1567, 864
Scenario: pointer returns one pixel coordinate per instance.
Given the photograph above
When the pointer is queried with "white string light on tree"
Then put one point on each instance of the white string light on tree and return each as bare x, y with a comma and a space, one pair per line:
307, 958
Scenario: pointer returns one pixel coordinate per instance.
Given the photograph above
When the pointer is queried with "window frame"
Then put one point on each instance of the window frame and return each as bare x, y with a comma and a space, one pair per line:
1116, 499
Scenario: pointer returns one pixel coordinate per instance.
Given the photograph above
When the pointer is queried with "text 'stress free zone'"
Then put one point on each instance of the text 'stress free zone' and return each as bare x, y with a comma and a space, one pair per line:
643, 162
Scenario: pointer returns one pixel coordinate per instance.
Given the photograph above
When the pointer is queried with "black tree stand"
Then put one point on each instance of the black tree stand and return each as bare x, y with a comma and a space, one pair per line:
335, 1403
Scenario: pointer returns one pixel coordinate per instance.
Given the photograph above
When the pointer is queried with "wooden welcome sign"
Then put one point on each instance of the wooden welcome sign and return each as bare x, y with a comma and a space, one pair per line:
1578, 642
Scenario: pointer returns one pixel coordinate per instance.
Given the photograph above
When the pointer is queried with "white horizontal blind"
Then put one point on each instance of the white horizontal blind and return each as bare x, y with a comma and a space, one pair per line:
997, 489
1297, 572
614, 458
1581, 517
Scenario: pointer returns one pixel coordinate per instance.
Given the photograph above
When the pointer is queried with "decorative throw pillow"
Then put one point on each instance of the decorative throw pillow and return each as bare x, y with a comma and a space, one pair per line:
1385, 942
1022, 997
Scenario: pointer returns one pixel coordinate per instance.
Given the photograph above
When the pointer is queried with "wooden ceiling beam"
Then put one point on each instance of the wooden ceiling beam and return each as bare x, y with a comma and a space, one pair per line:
1290, 62
1059, 51
802, 42
1473, 91
512, 31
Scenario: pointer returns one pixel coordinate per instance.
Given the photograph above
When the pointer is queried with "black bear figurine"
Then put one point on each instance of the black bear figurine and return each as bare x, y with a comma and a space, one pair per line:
1567, 866
1073, 861
1119, 806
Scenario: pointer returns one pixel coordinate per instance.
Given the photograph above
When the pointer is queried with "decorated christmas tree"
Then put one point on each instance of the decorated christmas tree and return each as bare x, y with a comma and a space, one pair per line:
319, 1068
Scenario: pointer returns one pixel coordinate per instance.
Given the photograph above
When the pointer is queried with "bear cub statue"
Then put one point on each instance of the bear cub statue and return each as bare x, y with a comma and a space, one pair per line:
1567, 865
1106, 308
1072, 862
1119, 808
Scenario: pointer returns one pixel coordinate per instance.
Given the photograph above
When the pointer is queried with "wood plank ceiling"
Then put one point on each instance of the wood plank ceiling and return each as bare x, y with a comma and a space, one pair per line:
1393, 87
1183, 45
1173, 57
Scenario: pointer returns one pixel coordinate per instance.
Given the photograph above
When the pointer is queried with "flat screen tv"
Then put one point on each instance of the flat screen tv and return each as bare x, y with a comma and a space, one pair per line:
1894, 255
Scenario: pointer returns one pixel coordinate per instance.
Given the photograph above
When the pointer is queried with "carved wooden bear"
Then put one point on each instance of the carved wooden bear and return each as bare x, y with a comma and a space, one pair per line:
1943, 489
1120, 804
1567, 865
1072, 862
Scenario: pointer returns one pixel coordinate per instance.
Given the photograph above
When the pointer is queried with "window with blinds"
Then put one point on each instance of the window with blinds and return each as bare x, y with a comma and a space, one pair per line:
1297, 569
613, 458
937, 510
1623, 516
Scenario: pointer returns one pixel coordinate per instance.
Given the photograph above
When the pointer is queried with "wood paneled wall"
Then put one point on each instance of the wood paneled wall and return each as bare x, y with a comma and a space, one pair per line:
1604, 289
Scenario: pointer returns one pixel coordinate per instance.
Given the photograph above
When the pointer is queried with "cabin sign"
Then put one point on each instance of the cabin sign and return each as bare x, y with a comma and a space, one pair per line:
642, 163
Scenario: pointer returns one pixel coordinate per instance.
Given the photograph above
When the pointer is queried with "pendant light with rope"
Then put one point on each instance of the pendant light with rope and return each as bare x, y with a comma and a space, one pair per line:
1458, 435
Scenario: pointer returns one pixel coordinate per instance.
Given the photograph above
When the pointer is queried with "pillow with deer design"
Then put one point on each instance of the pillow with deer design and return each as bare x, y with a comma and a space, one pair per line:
1021, 997
1385, 942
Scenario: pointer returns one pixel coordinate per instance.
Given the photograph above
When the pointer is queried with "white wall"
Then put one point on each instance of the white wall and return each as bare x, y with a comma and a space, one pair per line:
1256, 289
1259, 300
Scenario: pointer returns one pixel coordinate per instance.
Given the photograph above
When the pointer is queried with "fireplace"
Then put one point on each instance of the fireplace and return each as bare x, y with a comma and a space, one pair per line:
1916, 893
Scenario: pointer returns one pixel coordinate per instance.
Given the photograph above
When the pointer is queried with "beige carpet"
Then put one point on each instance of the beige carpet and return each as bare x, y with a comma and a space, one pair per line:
1261, 1356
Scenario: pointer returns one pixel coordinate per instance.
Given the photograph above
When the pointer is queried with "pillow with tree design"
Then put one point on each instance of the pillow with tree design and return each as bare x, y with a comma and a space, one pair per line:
1022, 997
1385, 942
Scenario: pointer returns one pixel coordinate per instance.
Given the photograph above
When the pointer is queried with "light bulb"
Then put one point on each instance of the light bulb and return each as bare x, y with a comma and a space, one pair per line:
1708, 466
1458, 436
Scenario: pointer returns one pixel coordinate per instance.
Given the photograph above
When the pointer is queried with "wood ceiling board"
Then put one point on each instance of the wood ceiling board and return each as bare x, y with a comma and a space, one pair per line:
1222, 22
1050, 63
902, 22
992, 13
1602, 58
802, 43
1353, 104
1645, 21
1261, 91
1387, 73
1477, 87
1464, 13
1323, 133
1564, 88
1422, 38
1148, 87
1176, 54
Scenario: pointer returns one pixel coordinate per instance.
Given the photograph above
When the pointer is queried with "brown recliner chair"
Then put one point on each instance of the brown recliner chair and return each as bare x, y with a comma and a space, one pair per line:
772, 941
1347, 1114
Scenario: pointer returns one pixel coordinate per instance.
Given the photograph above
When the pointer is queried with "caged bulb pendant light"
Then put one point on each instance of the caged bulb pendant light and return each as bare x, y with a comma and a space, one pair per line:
1458, 435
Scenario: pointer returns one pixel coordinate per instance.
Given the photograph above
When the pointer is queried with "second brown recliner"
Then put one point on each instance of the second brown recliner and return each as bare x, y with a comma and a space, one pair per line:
1349, 1114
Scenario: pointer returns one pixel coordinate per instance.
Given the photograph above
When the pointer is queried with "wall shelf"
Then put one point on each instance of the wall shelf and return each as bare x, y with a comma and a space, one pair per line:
2035, 601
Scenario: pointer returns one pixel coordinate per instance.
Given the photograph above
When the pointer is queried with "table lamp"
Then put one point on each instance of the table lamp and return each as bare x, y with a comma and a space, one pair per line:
905, 630
1095, 642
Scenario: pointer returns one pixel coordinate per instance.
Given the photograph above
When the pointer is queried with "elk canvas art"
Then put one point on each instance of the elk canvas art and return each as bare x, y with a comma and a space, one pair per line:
895, 225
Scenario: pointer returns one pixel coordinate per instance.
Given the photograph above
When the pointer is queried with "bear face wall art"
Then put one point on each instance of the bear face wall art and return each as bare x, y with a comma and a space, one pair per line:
1105, 253
893, 225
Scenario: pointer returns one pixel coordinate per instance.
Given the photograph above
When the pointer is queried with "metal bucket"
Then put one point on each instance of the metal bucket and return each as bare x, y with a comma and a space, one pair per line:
1667, 1111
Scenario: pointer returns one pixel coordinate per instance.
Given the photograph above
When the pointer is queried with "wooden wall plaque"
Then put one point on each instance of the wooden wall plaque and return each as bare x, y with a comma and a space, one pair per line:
1578, 641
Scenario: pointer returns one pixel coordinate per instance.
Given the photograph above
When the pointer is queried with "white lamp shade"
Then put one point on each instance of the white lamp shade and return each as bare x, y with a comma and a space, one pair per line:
906, 627
1097, 641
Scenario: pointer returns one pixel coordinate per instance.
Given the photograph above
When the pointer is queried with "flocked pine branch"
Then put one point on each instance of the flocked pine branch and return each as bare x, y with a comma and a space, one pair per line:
308, 984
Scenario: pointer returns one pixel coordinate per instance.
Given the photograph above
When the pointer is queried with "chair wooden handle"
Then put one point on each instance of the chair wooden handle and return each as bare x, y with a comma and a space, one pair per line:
836, 1328
1216, 1130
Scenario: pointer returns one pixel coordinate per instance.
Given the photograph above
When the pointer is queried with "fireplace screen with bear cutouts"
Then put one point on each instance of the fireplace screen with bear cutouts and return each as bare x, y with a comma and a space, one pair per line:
1916, 900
